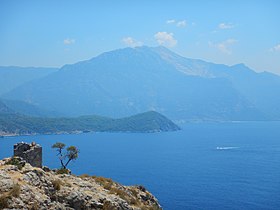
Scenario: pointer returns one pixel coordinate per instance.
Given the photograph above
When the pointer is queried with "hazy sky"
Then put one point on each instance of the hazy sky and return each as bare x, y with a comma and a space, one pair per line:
53, 33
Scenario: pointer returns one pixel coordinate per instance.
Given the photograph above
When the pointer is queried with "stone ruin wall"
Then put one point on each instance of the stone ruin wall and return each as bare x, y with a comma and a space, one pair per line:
31, 153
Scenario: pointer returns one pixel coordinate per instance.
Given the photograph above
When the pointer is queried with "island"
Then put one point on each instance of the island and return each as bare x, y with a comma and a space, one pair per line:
17, 124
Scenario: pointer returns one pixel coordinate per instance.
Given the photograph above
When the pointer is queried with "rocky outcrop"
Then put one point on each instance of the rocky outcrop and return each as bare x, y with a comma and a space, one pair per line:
27, 187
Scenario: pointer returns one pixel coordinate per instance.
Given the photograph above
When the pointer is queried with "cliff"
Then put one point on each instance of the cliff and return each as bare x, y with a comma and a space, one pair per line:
25, 187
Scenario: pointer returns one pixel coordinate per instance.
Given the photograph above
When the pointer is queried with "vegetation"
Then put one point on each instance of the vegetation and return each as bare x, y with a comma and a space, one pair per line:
56, 184
105, 182
68, 156
3, 201
15, 161
113, 188
14, 192
26, 125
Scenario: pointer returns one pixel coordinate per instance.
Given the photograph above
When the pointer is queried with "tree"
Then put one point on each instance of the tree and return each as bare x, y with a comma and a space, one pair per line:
70, 154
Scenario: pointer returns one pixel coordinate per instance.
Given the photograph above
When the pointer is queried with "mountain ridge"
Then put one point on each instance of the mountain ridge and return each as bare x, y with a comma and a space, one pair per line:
132, 80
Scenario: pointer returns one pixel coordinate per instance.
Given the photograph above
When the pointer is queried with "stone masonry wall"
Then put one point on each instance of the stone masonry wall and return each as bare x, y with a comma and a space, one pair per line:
31, 153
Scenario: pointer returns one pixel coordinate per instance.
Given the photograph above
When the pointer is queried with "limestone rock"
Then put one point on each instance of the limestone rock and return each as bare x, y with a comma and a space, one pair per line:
36, 188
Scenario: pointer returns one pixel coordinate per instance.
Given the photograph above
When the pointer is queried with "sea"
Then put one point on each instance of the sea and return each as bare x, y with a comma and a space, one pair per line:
206, 165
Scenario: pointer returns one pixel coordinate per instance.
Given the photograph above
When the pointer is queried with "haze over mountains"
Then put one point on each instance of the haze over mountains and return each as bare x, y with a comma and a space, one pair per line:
133, 80
13, 76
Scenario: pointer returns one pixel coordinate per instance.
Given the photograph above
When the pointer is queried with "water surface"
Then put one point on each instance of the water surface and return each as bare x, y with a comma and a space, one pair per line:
204, 166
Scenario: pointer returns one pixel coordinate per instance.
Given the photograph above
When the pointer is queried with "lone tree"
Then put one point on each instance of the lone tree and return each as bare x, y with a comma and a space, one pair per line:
66, 158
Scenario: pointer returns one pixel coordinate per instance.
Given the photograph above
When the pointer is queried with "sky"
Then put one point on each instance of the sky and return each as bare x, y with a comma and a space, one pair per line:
54, 33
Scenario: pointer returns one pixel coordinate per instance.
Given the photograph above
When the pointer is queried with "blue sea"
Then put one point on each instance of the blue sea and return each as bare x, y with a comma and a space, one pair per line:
232, 165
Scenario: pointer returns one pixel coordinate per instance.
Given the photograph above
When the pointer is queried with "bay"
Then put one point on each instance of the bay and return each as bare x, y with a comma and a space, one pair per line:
233, 165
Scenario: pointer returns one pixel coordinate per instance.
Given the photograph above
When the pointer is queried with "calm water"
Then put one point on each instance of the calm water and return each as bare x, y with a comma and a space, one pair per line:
184, 169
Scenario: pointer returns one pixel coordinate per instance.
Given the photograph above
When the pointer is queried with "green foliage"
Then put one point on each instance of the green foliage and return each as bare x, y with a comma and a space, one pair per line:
25, 125
16, 162
58, 145
71, 153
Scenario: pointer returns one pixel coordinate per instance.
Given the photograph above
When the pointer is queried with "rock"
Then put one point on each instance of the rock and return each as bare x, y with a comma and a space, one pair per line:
36, 188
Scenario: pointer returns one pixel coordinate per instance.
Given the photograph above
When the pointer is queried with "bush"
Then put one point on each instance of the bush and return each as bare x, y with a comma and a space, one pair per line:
63, 171
105, 182
84, 176
56, 184
16, 162
3, 201
15, 191
119, 192
108, 206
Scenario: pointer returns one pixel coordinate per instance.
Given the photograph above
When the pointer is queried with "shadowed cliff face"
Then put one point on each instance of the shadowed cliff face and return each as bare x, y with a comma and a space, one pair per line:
34, 188
134, 80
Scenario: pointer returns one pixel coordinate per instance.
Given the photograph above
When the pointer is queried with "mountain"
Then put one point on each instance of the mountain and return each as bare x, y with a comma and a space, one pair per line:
12, 76
27, 187
4, 109
26, 108
133, 80
16, 124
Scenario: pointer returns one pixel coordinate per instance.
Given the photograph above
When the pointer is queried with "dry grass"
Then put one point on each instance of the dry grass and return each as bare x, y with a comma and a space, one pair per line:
105, 182
57, 184
4, 201
130, 199
83, 176
14, 192
154, 207
108, 206
63, 171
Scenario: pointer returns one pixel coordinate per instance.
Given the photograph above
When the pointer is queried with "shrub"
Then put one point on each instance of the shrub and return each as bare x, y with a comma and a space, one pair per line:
3, 201
63, 171
105, 182
134, 192
56, 184
119, 192
108, 206
16, 162
15, 191
84, 176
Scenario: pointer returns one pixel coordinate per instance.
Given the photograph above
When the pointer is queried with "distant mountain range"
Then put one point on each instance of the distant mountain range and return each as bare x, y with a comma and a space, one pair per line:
133, 80
13, 76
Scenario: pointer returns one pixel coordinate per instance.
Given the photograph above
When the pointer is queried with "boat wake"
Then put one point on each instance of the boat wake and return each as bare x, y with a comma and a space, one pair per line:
226, 148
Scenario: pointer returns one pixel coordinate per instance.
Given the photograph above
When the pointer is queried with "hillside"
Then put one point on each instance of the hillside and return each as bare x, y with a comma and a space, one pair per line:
34, 188
128, 81
13, 76
25, 108
15, 124
4, 109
